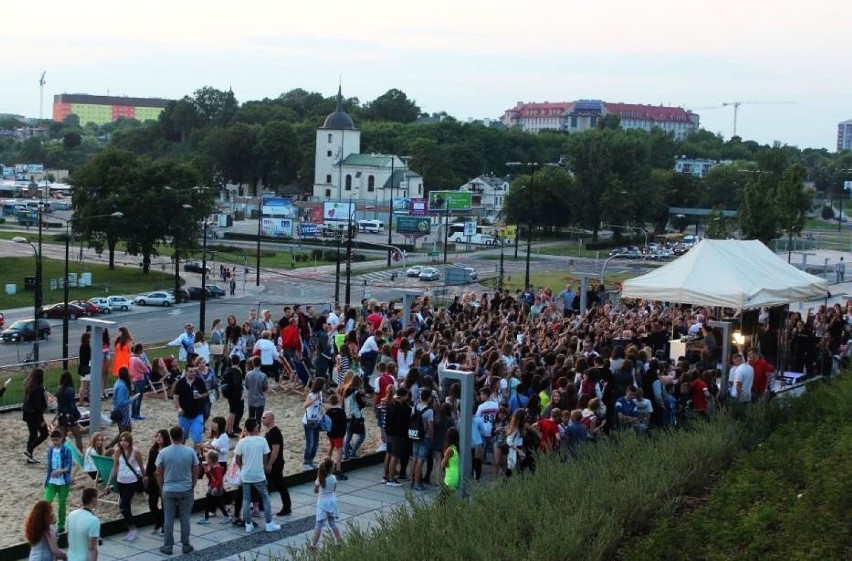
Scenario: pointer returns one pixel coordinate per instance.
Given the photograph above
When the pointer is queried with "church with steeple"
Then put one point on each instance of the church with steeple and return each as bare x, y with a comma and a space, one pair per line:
342, 172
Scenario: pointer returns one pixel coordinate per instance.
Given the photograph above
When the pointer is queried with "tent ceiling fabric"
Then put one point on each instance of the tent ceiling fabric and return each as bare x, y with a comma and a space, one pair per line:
731, 273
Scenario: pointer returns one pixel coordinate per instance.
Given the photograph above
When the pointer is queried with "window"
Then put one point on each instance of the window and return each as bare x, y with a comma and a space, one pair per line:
328, 193
419, 188
371, 184
348, 182
329, 138
328, 178
573, 121
328, 153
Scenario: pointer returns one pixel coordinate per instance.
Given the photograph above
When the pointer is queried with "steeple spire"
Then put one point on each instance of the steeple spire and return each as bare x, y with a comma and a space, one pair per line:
339, 97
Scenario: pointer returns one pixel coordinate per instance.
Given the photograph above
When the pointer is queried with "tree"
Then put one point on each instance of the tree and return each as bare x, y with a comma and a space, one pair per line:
394, 106
278, 153
718, 226
792, 204
71, 140
214, 107
540, 198
233, 152
757, 215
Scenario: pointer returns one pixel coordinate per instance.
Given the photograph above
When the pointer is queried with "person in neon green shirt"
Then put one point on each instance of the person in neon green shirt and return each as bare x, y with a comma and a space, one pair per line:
450, 462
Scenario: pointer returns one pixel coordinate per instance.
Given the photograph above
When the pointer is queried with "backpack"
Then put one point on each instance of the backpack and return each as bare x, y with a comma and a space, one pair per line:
416, 429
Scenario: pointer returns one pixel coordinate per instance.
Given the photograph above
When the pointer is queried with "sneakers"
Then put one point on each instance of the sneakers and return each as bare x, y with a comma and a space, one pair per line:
249, 527
393, 483
340, 476
382, 447
166, 550
28, 456
307, 467
226, 520
273, 527
138, 418
131, 536
384, 480
187, 549
203, 520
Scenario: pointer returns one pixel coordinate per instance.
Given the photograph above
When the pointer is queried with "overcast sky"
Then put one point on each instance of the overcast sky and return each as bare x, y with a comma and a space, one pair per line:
470, 58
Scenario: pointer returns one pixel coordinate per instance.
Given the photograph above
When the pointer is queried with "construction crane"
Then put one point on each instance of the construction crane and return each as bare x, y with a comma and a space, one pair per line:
736, 106
41, 84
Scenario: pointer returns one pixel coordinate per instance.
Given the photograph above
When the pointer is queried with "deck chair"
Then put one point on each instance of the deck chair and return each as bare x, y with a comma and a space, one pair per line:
104, 467
77, 456
291, 379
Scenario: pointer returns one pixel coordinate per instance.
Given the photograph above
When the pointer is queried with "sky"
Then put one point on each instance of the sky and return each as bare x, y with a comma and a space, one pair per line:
472, 59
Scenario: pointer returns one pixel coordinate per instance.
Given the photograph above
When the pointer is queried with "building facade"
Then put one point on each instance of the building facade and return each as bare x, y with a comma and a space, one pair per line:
583, 114
487, 193
697, 166
844, 135
341, 172
103, 109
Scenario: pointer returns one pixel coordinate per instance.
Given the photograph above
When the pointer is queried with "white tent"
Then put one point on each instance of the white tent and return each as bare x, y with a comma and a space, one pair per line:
728, 273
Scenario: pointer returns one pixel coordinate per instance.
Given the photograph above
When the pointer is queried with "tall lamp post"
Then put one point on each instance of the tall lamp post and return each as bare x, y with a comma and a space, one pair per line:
350, 211
65, 296
37, 295
532, 166
390, 215
501, 234
202, 310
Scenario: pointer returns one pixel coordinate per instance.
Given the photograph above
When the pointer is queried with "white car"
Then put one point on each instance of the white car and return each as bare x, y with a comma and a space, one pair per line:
103, 305
120, 303
430, 274
414, 271
471, 273
156, 299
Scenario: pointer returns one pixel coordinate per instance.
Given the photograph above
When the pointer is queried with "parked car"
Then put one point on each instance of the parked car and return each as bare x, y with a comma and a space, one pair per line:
181, 296
471, 273
2, 320
196, 291
414, 271
93, 309
120, 303
194, 267
104, 307
215, 291
430, 274
156, 299
58, 311
680, 249
25, 330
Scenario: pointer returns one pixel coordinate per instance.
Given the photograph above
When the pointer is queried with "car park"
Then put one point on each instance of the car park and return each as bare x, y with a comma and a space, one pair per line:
215, 291
58, 311
194, 267
195, 292
429, 274
104, 307
120, 303
156, 299
414, 271
93, 309
25, 330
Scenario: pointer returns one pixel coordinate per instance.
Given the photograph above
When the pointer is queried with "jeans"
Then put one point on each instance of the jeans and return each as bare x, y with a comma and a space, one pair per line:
125, 497
37, 429
263, 491
359, 437
311, 443
62, 490
256, 412
154, 502
136, 406
180, 502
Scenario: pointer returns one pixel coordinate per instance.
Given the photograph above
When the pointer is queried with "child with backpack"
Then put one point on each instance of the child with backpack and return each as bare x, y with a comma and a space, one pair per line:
335, 435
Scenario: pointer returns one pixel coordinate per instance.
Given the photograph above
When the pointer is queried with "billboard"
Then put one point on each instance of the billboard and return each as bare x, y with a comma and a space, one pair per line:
444, 201
419, 207
337, 211
413, 225
276, 227
316, 214
401, 204
279, 207
308, 230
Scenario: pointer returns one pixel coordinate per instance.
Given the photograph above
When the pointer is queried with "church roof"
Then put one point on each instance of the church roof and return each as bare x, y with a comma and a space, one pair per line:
368, 160
400, 175
340, 119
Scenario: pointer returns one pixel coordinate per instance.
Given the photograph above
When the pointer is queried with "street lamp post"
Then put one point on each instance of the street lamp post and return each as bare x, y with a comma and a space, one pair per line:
350, 211
36, 302
390, 215
338, 237
259, 220
532, 167
202, 310
500, 238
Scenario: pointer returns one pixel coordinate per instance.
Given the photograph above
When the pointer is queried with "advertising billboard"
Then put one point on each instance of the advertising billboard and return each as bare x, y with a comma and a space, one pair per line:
337, 211
443, 201
276, 227
279, 207
307, 230
413, 225
419, 207
401, 204
316, 214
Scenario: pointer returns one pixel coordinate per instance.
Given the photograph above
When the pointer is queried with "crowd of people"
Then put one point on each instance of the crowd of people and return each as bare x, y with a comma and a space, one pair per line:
549, 377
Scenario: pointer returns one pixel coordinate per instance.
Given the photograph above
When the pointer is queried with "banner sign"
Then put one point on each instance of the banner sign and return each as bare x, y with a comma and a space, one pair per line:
307, 230
337, 211
413, 225
278, 207
316, 214
276, 227
419, 207
443, 201
401, 204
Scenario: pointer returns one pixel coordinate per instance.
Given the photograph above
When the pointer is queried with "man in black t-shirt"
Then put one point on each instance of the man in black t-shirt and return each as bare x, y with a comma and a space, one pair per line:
189, 395
274, 466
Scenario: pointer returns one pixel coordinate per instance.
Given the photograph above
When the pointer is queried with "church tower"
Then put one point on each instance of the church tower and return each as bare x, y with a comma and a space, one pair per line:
336, 139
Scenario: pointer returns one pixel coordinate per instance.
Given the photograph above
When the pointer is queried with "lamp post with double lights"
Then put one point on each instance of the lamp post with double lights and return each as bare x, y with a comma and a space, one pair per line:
37, 295
65, 296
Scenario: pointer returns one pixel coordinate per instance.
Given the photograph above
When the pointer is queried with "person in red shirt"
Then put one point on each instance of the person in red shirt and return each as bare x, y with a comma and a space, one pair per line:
291, 340
549, 429
699, 392
763, 370
375, 319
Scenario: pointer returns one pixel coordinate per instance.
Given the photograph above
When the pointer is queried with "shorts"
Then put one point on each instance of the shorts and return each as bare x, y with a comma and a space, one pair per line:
193, 428
396, 446
422, 449
335, 443
66, 420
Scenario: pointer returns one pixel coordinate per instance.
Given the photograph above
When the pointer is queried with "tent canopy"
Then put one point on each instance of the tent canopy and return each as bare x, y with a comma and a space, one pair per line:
730, 273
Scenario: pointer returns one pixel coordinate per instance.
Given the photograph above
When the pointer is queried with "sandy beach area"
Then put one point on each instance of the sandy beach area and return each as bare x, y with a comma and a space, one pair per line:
22, 484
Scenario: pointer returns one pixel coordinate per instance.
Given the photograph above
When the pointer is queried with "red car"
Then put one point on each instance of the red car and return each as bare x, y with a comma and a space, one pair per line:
56, 311
2, 319
88, 306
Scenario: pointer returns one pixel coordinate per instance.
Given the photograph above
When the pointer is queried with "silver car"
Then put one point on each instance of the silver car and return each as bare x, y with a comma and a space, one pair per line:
414, 271
120, 303
430, 274
156, 299
103, 304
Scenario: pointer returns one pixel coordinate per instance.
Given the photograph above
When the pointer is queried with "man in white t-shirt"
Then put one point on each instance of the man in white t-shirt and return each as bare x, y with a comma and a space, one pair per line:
487, 411
84, 529
252, 453
742, 379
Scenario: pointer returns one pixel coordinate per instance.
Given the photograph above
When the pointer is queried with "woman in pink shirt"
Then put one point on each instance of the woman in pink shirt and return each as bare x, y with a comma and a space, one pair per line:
139, 371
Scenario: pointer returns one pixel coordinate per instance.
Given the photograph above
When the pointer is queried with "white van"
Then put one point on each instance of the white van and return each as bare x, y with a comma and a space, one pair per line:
371, 226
